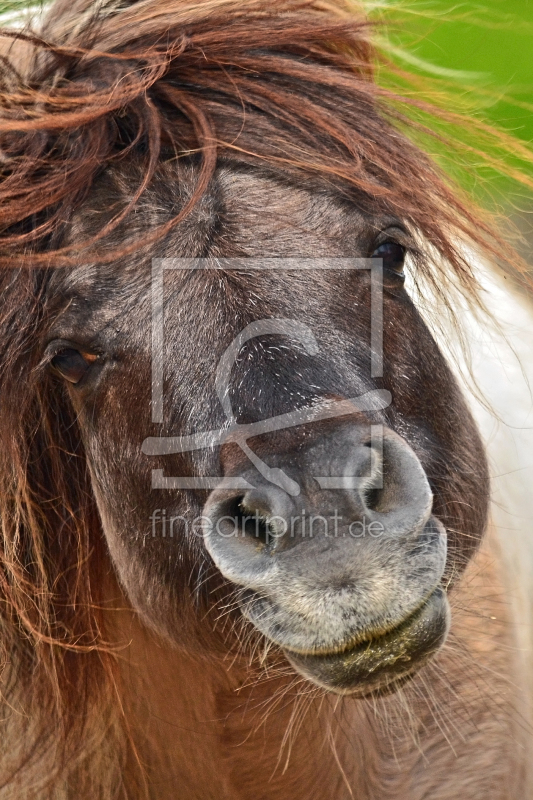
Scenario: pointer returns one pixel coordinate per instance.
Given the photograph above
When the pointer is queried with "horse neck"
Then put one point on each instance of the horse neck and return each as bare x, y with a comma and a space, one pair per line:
202, 729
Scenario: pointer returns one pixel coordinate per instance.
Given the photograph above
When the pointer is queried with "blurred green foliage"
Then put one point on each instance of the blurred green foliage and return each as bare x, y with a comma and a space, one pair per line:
492, 41
476, 58
13, 6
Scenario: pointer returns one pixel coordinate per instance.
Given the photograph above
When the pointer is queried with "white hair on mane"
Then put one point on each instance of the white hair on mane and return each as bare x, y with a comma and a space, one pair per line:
494, 363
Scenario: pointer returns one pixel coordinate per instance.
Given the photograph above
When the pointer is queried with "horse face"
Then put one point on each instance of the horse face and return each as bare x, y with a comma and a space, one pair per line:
349, 502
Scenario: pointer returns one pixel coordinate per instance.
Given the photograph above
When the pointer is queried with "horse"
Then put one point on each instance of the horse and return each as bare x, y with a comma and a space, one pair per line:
247, 548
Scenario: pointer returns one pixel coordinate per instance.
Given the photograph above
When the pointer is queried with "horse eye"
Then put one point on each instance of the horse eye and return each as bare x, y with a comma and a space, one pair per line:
393, 255
72, 364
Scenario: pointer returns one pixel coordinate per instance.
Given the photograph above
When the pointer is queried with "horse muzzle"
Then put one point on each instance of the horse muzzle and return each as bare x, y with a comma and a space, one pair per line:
344, 572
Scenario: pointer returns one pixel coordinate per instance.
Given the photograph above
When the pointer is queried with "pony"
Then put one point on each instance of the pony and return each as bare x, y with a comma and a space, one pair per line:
246, 545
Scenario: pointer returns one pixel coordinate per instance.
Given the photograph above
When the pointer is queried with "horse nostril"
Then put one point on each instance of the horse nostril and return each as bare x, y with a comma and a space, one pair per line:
372, 498
372, 494
252, 523
258, 516
402, 498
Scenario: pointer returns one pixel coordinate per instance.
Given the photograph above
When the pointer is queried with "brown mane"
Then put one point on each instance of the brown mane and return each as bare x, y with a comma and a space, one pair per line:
285, 86
289, 87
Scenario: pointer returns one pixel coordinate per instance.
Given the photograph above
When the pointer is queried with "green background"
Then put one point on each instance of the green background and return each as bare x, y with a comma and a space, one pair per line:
493, 39
481, 53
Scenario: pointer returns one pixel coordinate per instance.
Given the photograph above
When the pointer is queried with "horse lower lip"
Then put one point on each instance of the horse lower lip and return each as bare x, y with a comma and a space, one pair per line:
374, 664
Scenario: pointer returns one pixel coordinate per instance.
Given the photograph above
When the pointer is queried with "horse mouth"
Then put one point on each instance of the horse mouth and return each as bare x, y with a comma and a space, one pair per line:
382, 663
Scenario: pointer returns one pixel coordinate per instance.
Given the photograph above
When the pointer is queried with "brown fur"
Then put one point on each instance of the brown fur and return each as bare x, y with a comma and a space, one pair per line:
439, 743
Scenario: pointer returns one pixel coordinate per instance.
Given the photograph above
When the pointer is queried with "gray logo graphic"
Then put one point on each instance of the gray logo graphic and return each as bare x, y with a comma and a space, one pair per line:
374, 400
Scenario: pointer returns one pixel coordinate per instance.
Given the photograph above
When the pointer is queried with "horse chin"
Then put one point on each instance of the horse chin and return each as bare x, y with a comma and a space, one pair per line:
383, 663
